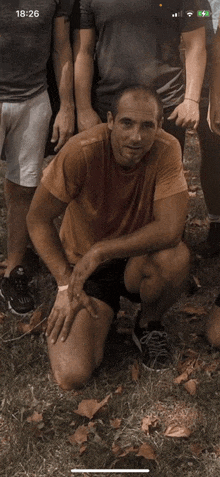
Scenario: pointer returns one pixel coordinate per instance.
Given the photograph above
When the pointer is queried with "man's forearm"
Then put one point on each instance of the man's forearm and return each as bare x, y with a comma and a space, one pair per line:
83, 76
195, 63
151, 238
215, 78
63, 67
47, 243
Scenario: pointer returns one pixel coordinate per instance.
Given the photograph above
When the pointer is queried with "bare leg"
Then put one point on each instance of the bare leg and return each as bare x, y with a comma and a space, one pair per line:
213, 327
159, 277
18, 199
74, 360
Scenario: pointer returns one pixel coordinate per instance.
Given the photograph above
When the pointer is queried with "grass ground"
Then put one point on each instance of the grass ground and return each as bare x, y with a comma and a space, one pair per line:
166, 422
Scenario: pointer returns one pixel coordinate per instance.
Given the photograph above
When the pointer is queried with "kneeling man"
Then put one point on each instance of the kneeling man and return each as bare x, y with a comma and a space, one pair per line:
122, 188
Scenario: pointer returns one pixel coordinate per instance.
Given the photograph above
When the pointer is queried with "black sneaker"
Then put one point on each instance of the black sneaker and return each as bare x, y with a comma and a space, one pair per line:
14, 289
154, 344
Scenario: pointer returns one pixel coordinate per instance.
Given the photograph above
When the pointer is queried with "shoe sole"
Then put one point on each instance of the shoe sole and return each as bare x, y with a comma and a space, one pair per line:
12, 309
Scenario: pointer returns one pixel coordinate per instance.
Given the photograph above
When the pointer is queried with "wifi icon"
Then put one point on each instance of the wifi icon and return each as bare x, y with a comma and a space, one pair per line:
190, 13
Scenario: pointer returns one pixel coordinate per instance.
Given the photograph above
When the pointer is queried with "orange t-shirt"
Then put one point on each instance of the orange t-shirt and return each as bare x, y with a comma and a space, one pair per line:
104, 200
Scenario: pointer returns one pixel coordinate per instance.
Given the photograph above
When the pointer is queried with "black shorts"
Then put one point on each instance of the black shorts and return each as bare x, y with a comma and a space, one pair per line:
107, 284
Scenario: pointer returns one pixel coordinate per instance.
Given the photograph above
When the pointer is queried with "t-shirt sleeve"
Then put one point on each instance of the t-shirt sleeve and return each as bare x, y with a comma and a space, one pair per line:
64, 8
65, 176
170, 178
193, 22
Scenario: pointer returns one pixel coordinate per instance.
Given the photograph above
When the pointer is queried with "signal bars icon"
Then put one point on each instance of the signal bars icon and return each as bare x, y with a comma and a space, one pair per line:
177, 14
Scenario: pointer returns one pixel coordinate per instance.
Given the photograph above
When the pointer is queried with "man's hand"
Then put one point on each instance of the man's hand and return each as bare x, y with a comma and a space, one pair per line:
63, 127
186, 114
64, 312
82, 270
214, 116
86, 119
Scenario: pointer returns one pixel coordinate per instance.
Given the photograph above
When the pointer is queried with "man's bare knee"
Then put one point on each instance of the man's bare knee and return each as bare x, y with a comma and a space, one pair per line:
173, 264
72, 378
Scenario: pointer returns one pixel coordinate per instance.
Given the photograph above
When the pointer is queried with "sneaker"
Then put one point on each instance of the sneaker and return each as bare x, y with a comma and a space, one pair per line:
14, 290
154, 345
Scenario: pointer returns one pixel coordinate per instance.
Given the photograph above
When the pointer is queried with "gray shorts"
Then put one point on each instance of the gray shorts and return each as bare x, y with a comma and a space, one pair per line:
23, 133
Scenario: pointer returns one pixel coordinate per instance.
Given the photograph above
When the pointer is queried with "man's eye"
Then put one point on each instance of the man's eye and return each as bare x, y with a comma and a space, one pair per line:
126, 123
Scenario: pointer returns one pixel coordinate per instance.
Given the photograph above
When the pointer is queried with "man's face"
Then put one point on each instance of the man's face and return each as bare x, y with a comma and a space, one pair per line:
134, 128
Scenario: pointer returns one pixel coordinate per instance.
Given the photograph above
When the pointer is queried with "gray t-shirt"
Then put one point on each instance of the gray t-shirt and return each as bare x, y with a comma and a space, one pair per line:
25, 40
138, 42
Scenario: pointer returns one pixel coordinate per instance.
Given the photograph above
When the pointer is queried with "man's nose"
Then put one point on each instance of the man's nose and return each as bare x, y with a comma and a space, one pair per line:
136, 134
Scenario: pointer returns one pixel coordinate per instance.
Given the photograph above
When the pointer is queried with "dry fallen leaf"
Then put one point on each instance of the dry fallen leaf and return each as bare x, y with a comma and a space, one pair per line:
119, 390
36, 417
115, 423
135, 371
35, 324
182, 377
147, 422
194, 310
177, 431
89, 407
2, 317
80, 436
82, 449
196, 449
129, 450
147, 452
116, 449
190, 386
192, 194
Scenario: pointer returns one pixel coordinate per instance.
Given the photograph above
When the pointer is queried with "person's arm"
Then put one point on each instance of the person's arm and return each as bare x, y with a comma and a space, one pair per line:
215, 84
163, 232
40, 221
187, 113
64, 124
83, 47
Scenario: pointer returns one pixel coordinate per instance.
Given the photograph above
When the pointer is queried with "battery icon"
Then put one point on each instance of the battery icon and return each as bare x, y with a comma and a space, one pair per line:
203, 13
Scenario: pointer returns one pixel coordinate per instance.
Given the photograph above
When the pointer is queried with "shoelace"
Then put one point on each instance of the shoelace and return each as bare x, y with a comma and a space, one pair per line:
156, 341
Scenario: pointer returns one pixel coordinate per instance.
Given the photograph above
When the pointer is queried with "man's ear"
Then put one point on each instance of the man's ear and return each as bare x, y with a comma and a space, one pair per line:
110, 120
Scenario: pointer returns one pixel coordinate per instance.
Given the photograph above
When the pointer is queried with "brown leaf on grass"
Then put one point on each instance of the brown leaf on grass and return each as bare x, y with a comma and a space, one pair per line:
115, 423
116, 449
89, 407
2, 317
119, 390
147, 452
217, 451
35, 324
182, 377
135, 370
193, 310
82, 449
191, 386
186, 172
196, 449
147, 422
129, 450
192, 194
177, 431
36, 417
80, 436
211, 367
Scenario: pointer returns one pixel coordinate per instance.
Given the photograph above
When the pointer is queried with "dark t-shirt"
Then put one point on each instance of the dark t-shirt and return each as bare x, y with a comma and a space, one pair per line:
138, 42
25, 39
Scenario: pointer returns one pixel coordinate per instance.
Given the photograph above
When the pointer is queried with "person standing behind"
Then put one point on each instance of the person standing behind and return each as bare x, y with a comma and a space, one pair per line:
25, 41
139, 42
